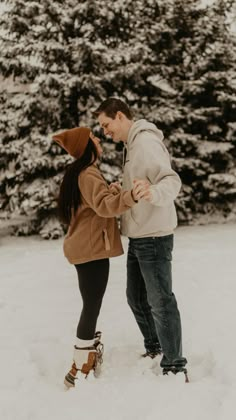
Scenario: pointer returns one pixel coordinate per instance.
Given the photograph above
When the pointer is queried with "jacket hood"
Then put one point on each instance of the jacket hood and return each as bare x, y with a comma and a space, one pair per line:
143, 125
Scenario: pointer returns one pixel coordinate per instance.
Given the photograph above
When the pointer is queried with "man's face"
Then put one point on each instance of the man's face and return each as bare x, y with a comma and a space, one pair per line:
111, 127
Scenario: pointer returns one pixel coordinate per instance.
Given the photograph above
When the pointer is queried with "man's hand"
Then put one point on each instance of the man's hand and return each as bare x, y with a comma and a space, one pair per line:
142, 190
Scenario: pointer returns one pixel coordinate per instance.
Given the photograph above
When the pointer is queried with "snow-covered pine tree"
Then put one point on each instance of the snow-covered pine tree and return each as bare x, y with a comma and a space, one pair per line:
173, 61
185, 83
34, 66
204, 142
53, 56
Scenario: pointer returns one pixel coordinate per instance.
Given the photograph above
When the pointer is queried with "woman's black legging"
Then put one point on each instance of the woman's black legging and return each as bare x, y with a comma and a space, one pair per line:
93, 278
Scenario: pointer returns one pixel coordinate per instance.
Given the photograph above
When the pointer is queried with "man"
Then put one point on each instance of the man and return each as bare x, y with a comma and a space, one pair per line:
149, 226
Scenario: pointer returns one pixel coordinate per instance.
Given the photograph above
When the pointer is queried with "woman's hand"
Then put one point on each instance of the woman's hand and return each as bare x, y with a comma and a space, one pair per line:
115, 187
142, 190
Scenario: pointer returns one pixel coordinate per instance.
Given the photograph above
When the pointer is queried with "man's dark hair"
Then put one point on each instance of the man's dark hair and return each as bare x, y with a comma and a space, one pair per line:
111, 106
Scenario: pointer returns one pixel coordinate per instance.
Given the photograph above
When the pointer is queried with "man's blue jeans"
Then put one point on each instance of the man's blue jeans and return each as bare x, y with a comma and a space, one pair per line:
150, 296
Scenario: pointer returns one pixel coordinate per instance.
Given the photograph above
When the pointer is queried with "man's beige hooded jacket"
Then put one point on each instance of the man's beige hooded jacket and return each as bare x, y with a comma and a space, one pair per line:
148, 158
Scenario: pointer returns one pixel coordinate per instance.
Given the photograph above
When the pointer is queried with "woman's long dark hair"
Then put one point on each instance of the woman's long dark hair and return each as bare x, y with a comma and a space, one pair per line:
69, 196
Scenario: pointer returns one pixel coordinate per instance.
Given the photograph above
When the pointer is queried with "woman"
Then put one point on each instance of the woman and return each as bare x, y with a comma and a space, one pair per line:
89, 207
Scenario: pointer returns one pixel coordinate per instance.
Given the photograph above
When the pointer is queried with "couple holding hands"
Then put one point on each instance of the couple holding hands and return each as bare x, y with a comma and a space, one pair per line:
89, 206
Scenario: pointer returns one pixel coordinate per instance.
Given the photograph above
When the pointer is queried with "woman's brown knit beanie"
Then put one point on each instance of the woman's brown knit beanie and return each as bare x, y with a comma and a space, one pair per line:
74, 141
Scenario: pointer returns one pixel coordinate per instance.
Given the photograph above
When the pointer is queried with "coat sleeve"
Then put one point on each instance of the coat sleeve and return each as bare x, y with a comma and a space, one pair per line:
154, 157
96, 193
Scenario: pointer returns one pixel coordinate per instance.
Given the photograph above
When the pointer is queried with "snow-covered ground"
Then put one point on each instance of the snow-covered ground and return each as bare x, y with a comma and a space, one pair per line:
39, 309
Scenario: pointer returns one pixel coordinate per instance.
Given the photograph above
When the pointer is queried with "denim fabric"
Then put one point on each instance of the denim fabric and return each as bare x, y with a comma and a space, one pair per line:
150, 296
